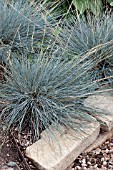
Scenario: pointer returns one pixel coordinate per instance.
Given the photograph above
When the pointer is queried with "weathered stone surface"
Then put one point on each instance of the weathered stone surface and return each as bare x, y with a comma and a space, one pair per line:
100, 140
101, 107
60, 153
107, 93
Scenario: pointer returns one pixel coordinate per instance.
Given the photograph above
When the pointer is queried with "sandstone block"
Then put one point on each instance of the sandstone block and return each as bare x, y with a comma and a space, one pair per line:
101, 107
60, 153
100, 140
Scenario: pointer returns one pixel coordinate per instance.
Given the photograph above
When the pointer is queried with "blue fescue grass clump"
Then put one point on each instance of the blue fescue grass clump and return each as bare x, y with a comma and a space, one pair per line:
45, 92
46, 88
23, 26
85, 33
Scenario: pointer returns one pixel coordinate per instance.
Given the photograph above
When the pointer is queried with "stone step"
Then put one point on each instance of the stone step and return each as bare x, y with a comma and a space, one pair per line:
59, 153
101, 107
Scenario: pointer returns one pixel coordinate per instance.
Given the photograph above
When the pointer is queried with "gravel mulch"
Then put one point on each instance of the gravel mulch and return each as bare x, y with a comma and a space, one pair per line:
98, 159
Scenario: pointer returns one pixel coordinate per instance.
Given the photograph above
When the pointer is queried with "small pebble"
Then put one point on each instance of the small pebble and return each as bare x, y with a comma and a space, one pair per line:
111, 161
93, 160
78, 167
27, 143
84, 161
110, 151
111, 144
89, 163
11, 164
30, 162
102, 159
107, 151
106, 158
31, 166
84, 165
95, 166
4, 127
104, 163
107, 142
97, 151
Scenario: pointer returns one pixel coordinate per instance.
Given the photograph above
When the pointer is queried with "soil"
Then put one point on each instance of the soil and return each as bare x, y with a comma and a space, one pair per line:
12, 150
8, 153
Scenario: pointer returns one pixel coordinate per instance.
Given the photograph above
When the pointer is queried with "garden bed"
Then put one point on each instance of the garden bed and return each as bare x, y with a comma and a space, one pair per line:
51, 70
97, 156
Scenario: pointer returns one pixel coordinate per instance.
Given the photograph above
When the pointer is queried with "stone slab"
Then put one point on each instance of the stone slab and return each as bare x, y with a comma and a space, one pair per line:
60, 153
100, 140
101, 107
107, 92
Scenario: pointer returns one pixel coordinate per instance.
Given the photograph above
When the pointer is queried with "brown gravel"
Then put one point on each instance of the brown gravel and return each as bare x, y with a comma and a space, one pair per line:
100, 158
